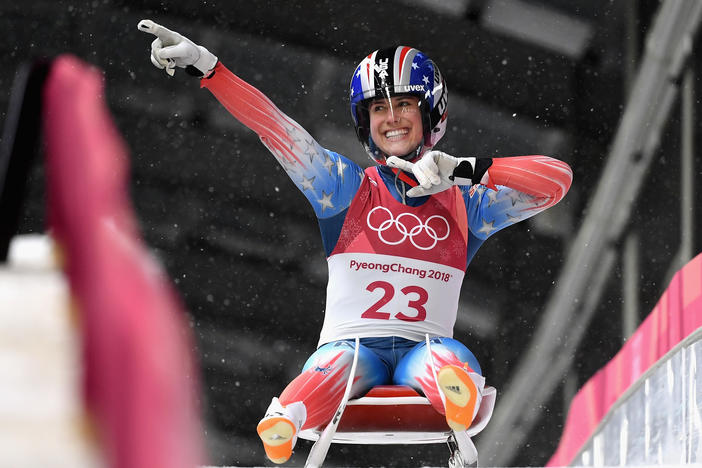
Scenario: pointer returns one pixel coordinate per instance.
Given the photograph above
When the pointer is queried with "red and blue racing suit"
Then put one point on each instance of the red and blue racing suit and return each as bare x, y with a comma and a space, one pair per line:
396, 263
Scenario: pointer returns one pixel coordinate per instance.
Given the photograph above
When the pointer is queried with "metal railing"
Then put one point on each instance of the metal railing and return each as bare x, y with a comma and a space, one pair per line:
594, 251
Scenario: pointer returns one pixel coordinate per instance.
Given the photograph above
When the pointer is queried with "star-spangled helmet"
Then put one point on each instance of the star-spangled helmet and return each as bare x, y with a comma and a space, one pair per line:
398, 71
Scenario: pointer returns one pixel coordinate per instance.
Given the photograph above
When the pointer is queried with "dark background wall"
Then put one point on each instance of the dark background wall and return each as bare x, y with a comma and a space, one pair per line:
242, 245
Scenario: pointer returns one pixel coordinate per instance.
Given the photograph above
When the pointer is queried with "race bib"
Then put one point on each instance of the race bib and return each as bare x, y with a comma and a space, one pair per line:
373, 295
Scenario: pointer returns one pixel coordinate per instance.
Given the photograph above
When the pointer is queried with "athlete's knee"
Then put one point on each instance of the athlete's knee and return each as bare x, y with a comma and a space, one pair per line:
323, 376
450, 347
323, 381
331, 357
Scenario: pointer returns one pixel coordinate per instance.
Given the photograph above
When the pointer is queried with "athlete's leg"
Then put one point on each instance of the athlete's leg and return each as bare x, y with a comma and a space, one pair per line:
459, 378
311, 399
324, 376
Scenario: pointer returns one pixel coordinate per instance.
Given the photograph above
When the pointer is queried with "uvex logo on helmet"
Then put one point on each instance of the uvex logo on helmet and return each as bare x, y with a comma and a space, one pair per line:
396, 71
412, 88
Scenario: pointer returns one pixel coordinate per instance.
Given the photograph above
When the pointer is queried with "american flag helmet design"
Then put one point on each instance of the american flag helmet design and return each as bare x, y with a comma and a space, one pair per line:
394, 71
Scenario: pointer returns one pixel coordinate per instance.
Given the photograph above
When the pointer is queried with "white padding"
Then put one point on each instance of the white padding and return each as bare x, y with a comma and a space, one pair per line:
42, 420
31, 251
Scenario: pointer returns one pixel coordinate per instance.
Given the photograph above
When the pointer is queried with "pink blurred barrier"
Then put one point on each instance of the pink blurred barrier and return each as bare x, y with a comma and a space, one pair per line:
140, 381
677, 315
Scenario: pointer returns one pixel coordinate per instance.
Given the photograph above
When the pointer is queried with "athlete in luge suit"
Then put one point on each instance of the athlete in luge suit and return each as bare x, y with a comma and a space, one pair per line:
398, 235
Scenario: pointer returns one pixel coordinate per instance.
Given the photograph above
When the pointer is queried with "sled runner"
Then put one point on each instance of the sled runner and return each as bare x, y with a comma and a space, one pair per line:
394, 414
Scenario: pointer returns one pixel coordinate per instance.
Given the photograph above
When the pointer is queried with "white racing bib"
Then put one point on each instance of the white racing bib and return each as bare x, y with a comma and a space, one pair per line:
373, 295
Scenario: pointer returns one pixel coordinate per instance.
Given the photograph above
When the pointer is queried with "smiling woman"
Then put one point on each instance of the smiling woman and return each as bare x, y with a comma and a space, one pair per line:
396, 124
393, 77
424, 213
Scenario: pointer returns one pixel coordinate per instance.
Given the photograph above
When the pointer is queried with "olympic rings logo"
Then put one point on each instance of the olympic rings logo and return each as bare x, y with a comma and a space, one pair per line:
399, 226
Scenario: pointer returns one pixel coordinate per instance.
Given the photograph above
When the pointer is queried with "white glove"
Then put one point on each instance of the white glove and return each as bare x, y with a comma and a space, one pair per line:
434, 172
170, 50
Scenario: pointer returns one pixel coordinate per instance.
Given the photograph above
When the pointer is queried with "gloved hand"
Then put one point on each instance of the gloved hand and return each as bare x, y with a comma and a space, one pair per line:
436, 171
170, 50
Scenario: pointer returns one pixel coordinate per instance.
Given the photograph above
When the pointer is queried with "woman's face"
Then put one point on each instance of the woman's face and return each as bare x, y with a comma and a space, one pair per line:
396, 124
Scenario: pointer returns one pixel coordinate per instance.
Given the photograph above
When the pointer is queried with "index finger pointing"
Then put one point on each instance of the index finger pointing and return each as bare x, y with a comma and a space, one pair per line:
156, 29
394, 161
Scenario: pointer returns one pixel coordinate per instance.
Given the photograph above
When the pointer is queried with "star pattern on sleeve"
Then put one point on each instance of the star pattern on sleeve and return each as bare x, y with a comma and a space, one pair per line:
492, 197
340, 166
307, 184
292, 133
290, 166
512, 219
487, 227
515, 196
310, 154
328, 163
325, 202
